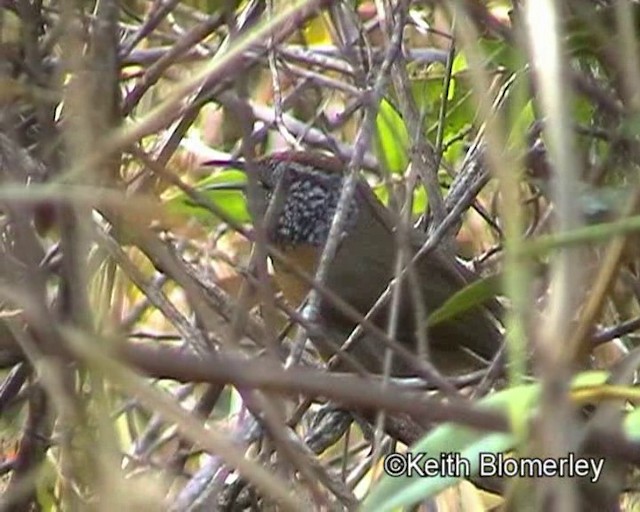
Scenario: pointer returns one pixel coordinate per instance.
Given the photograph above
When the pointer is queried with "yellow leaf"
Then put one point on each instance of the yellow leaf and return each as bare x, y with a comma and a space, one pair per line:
316, 31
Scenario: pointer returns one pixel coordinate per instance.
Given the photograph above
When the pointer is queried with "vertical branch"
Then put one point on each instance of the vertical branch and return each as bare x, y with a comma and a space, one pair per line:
90, 111
506, 168
557, 427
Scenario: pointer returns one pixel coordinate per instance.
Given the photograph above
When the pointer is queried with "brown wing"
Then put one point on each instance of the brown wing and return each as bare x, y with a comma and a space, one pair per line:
364, 267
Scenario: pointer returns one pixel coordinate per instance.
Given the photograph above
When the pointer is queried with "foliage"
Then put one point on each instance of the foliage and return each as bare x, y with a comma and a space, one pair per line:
141, 332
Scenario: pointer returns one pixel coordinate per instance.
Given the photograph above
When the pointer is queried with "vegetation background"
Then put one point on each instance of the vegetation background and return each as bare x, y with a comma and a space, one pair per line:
131, 344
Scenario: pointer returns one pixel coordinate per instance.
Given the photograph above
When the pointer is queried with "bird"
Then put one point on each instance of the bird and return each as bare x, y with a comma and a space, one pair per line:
309, 186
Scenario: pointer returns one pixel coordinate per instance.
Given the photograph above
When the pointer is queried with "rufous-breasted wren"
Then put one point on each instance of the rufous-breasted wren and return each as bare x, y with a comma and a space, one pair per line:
363, 266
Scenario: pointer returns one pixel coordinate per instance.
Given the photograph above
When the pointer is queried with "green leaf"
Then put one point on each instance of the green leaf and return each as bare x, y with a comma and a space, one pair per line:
632, 425
502, 55
419, 198
459, 63
521, 124
427, 92
392, 138
391, 492
470, 296
232, 202
590, 378
519, 401
594, 233
631, 126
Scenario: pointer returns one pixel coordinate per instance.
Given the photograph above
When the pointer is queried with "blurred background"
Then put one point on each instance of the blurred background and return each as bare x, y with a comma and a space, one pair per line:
148, 360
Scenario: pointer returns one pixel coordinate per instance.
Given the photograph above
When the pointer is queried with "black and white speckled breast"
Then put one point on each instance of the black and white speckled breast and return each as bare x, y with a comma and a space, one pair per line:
312, 197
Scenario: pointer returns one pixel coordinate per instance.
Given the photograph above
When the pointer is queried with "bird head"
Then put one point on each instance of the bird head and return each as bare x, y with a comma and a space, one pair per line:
304, 190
